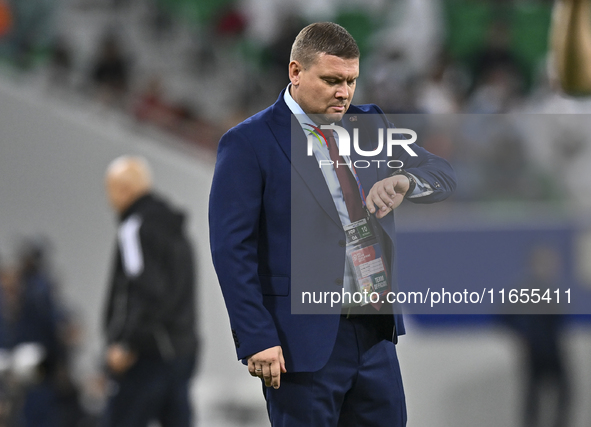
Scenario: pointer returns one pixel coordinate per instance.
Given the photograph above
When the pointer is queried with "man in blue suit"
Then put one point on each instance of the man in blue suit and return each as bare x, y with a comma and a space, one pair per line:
277, 227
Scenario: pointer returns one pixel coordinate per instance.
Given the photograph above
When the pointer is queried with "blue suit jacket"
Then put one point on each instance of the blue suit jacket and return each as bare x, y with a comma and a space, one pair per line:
260, 184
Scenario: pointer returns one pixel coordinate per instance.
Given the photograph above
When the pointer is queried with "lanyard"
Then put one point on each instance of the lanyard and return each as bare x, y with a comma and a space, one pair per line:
317, 132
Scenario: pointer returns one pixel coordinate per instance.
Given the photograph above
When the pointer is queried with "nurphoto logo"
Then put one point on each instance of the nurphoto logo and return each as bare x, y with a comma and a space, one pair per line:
393, 138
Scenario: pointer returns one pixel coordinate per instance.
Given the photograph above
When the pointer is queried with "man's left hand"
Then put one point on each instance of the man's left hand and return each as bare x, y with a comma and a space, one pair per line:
386, 195
119, 358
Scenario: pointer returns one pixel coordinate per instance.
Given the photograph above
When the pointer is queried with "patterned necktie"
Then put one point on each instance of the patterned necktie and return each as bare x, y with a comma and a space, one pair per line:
349, 187
346, 180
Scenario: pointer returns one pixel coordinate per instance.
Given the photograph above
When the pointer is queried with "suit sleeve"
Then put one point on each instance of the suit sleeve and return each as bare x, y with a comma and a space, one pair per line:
234, 216
432, 169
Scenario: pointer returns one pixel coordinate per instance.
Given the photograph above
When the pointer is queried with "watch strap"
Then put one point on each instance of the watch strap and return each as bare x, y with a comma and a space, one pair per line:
411, 180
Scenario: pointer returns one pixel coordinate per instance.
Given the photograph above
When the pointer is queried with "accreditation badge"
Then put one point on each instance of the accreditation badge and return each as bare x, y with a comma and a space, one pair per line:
364, 256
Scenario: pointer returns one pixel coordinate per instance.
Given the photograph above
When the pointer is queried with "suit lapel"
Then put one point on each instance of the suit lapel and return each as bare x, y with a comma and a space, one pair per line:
304, 167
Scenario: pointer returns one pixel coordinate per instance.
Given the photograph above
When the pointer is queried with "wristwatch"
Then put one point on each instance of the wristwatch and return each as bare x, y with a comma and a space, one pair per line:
412, 182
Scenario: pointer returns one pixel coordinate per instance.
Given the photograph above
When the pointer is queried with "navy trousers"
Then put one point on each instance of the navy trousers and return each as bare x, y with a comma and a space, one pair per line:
152, 389
360, 385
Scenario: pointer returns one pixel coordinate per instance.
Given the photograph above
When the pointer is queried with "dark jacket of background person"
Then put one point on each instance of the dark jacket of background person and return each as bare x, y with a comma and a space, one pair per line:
27, 317
153, 309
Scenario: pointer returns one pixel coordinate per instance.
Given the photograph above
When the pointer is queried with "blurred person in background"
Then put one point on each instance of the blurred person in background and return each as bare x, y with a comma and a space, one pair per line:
110, 73
436, 94
61, 64
498, 79
496, 55
547, 386
40, 285
150, 314
31, 350
180, 118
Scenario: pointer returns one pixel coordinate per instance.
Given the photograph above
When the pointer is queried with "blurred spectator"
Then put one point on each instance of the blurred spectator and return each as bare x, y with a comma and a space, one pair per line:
39, 286
547, 391
160, 20
193, 128
497, 77
178, 118
231, 22
28, 332
392, 84
60, 63
35, 272
151, 105
498, 92
495, 54
276, 54
437, 93
414, 30
111, 71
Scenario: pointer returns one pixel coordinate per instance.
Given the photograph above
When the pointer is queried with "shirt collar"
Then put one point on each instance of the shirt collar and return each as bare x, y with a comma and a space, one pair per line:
299, 113
296, 110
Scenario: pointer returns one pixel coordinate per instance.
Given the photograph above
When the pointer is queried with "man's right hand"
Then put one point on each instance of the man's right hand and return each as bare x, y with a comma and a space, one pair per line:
268, 364
119, 358
387, 194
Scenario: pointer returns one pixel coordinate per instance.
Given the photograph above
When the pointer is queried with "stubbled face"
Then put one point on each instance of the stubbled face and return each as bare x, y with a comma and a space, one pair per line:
326, 87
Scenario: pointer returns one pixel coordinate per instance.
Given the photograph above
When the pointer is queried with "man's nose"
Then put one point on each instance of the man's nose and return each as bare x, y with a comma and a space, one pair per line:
342, 91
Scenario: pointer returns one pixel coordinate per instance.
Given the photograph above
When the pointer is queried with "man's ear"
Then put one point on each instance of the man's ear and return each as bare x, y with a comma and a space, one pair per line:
295, 69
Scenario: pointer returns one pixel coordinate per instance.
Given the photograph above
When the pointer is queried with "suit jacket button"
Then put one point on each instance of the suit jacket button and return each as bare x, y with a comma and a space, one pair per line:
342, 243
339, 282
